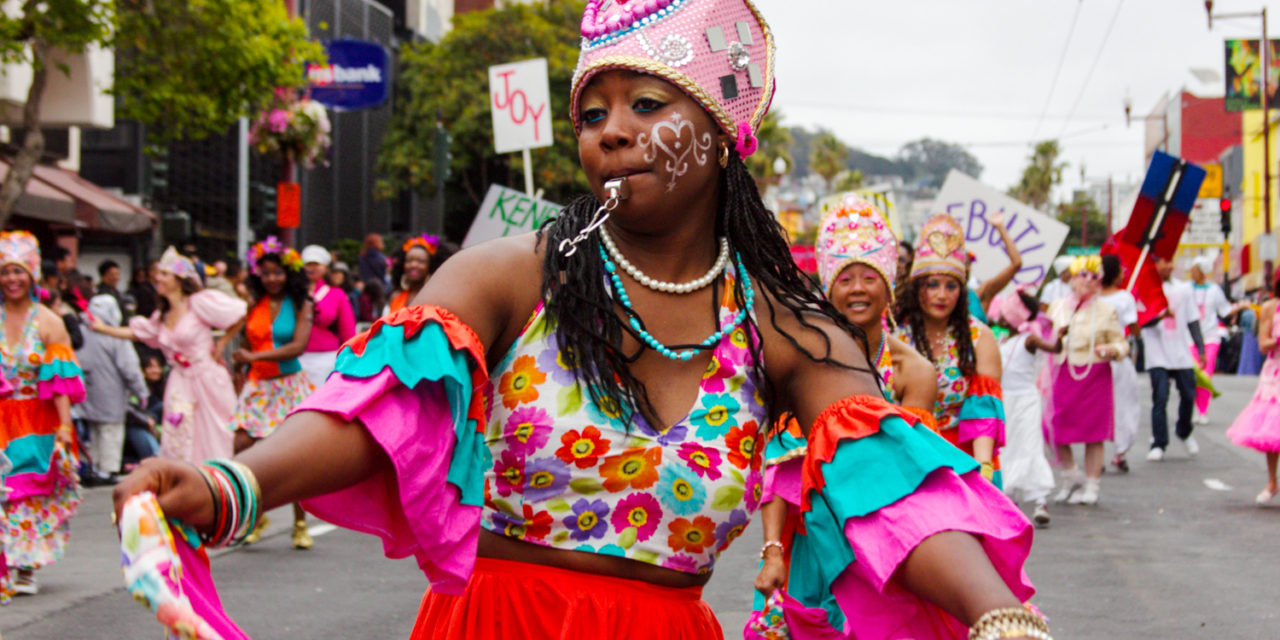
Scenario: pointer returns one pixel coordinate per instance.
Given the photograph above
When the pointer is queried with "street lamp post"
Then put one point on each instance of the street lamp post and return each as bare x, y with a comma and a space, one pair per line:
1264, 53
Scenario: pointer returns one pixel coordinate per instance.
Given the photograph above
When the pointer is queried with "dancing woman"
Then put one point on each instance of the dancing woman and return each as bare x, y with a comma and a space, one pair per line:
1124, 373
276, 331
636, 347
933, 316
198, 398
1083, 406
1258, 426
420, 257
41, 381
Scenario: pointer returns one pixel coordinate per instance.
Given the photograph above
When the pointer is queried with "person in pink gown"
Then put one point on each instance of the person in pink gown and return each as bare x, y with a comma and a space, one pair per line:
199, 398
1258, 425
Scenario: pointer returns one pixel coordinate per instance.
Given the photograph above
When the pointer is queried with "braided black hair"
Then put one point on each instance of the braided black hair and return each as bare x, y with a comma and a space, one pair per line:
909, 313
589, 330
296, 285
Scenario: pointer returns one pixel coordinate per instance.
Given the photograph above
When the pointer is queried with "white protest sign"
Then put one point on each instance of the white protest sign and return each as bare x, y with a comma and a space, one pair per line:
521, 105
1037, 236
507, 212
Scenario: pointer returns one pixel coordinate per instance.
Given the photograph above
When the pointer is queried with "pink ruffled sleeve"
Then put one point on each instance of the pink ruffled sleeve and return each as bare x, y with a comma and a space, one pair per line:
146, 330
216, 308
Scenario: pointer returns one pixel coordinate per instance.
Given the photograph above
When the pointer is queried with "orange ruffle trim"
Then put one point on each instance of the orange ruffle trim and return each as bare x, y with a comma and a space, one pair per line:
852, 418
980, 385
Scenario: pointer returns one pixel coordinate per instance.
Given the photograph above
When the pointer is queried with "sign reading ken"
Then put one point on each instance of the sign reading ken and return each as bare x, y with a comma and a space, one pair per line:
520, 99
507, 212
973, 204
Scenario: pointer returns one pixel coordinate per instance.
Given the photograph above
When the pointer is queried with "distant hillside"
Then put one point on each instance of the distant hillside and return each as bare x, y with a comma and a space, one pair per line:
924, 161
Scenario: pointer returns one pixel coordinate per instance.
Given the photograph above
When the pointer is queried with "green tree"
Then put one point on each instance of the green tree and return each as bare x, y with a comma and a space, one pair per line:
37, 35
775, 142
1042, 174
191, 68
184, 68
827, 155
1082, 210
931, 160
847, 180
449, 80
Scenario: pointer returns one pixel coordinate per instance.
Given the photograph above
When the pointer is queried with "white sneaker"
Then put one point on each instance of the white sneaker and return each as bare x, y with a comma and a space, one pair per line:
1156, 454
1193, 447
1200, 419
1089, 496
1040, 516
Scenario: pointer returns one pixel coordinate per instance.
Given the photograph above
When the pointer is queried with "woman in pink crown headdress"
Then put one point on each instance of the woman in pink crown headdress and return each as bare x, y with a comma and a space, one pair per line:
199, 398
1258, 426
564, 430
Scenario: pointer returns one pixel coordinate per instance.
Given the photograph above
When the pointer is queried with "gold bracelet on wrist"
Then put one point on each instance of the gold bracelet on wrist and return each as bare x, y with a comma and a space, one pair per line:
1010, 622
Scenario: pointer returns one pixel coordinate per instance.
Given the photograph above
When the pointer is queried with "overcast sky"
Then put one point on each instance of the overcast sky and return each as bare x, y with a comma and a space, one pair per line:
981, 72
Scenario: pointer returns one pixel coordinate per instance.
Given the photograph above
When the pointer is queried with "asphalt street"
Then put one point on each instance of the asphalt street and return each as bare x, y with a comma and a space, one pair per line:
1175, 549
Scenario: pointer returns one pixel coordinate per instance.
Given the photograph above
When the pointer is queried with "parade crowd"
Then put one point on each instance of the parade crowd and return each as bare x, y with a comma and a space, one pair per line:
162, 367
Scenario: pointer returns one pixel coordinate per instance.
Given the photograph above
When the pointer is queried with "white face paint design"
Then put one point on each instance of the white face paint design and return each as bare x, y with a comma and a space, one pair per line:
675, 148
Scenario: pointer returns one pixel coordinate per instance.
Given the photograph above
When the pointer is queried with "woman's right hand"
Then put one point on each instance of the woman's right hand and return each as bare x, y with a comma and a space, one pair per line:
179, 488
773, 574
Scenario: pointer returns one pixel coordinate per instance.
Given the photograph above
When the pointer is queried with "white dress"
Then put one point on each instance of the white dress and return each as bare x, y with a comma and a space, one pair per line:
1124, 376
1026, 470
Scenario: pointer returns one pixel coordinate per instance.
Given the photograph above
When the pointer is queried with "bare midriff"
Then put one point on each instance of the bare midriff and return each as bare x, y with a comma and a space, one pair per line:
499, 547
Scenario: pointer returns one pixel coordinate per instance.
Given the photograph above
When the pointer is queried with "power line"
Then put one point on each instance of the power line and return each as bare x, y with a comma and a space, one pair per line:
1062, 58
1092, 67
946, 113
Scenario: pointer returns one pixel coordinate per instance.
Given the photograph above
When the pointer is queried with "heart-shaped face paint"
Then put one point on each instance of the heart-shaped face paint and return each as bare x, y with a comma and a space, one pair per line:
676, 139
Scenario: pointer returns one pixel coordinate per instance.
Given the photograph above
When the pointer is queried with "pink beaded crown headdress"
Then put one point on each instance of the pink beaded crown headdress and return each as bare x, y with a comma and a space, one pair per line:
940, 249
855, 231
720, 52
178, 265
20, 248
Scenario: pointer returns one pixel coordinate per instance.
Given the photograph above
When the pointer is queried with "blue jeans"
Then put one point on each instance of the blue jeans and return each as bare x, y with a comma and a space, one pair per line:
141, 443
1186, 381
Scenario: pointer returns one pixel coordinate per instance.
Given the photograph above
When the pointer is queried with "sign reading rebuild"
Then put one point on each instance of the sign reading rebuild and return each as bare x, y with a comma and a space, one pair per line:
356, 76
1037, 236
507, 212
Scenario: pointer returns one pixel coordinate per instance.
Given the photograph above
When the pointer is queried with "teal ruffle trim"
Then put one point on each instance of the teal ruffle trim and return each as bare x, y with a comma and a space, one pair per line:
429, 356
782, 444
982, 407
864, 476
58, 368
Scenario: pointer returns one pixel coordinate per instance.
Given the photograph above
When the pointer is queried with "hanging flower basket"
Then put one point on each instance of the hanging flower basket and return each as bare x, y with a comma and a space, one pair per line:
293, 127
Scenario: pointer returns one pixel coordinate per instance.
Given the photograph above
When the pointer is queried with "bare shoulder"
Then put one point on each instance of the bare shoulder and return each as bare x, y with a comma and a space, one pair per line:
50, 326
487, 286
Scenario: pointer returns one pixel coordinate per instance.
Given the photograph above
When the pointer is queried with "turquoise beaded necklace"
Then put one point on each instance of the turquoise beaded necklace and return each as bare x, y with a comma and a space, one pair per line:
687, 354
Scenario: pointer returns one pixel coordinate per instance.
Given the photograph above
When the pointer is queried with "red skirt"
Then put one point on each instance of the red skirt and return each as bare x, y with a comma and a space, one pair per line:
507, 599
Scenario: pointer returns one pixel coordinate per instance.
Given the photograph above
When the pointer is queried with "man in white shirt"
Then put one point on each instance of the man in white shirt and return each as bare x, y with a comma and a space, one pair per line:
1211, 305
1168, 343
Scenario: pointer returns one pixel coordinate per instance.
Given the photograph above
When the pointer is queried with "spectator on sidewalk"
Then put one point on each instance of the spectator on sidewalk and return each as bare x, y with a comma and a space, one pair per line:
111, 373
146, 414
109, 282
373, 262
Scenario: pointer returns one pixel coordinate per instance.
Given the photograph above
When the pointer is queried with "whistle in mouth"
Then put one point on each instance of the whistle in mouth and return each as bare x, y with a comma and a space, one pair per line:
618, 188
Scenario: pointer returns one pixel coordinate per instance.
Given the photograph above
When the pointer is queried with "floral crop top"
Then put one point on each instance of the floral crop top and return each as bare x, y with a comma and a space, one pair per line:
953, 387
571, 475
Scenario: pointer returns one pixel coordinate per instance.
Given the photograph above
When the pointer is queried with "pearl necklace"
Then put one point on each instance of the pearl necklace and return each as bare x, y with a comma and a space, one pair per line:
749, 295
722, 261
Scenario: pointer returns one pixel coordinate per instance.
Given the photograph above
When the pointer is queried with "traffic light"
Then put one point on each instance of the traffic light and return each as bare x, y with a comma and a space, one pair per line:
1224, 207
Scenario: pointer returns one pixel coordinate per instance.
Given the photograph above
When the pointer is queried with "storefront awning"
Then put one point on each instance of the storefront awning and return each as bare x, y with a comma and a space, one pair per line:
42, 201
97, 208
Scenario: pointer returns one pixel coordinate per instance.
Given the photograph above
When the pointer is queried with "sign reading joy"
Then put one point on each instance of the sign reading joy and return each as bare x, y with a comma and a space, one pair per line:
520, 102
975, 205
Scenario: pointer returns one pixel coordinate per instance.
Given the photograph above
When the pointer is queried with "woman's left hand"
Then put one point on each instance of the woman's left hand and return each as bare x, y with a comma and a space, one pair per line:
242, 356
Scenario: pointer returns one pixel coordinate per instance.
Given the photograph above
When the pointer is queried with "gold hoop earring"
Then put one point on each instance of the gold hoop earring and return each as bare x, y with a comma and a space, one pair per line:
724, 156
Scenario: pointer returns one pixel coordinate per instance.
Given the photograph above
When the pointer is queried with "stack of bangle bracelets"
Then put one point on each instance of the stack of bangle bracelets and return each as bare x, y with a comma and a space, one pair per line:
236, 502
